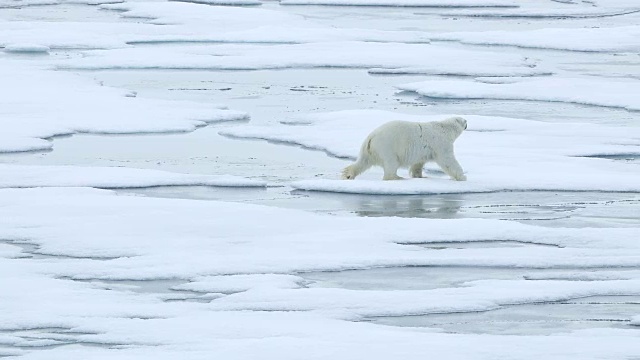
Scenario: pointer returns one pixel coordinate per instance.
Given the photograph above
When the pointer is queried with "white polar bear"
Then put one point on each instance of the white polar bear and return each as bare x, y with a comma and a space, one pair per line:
410, 144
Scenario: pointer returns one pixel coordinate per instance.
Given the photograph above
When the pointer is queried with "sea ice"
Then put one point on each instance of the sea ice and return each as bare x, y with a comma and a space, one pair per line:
26, 48
69, 254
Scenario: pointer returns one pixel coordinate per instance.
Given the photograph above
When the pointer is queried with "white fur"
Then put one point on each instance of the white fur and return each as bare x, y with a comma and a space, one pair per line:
405, 144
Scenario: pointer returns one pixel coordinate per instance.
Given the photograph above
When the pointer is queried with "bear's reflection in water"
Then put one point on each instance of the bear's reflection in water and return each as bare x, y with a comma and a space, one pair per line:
408, 206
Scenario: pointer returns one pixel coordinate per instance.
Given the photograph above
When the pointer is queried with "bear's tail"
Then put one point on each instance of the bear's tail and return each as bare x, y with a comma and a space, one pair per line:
361, 165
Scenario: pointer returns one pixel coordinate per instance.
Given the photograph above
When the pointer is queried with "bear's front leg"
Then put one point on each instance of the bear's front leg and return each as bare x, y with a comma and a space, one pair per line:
450, 166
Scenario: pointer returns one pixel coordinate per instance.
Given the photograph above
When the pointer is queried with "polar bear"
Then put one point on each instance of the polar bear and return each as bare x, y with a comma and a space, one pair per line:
399, 144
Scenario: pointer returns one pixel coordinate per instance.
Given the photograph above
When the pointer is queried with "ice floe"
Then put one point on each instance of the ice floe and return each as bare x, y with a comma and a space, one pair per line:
191, 23
26, 48
610, 39
92, 2
544, 12
221, 18
11, 4
480, 295
40, 104
408, 3
21, 176
76, 35
299, 42
433, 59
504, 72
498, 154
597, 91
224, 2
551, 10
496, 9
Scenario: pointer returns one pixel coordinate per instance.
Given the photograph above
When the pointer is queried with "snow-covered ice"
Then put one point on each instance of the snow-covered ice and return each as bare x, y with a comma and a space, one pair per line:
229, 18
8, 4
537, 12
73, 35
612, 39
26, 48
224, 2
534, 10
408, 3
197, 23
18, 4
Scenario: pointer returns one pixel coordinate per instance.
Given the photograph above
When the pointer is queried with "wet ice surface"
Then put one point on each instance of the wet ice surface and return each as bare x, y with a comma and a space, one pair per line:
539, 319
271, 96
555, 209
416, 278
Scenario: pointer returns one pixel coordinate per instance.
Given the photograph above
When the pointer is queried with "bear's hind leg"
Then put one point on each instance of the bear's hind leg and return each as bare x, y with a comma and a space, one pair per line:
392, 176
355, 169
391, 170
416, 170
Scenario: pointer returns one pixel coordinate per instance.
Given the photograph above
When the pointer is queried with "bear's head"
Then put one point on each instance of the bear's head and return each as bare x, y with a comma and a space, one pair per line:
461, 122
455, 125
